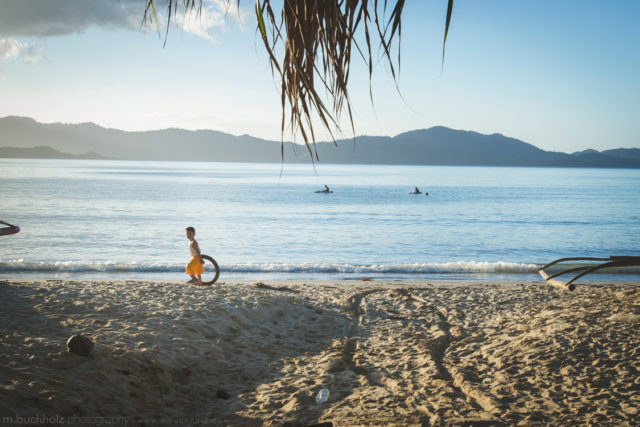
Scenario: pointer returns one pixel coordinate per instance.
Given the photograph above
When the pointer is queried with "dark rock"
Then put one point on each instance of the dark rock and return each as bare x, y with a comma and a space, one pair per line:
221, 394
79, 344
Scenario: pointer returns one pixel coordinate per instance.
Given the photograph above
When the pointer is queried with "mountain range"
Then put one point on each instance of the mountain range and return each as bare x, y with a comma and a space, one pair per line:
24, 137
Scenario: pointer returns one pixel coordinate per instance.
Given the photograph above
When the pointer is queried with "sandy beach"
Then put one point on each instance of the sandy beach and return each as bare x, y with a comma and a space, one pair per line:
390, 353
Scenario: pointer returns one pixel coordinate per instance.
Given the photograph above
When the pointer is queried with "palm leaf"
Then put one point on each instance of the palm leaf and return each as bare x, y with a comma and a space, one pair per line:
446, 28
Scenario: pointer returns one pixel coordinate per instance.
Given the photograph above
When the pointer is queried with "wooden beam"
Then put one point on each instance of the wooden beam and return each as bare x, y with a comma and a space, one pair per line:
556, 283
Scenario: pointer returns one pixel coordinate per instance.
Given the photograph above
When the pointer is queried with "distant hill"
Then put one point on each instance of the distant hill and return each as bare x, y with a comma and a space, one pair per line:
168, 144
44, 152
625, 153
435, 146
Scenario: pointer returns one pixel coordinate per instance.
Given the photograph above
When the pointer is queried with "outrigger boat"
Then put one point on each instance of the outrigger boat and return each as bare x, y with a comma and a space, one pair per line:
10, 229
612, 261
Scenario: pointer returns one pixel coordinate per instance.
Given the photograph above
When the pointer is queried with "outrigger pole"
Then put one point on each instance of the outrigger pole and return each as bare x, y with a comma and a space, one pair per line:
612, 261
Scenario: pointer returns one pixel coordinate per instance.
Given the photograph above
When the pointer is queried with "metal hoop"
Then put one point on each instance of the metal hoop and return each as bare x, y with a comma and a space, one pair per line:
215, 266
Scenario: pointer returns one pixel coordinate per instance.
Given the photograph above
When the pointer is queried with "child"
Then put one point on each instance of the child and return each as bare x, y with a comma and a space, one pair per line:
195, 267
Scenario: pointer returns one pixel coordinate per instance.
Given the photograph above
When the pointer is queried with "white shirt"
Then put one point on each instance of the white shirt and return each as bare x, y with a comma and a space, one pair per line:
192, 248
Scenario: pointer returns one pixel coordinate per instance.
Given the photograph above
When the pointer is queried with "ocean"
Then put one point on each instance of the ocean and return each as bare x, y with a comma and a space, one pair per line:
126, 219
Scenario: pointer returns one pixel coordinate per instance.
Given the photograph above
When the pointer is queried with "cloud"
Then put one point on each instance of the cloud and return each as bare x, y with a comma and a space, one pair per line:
214, 14
29, 18
32, 54
20, 18
9, 48
26, 18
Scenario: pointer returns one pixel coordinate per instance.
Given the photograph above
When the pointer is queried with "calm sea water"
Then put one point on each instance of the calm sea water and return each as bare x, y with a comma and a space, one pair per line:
125, 219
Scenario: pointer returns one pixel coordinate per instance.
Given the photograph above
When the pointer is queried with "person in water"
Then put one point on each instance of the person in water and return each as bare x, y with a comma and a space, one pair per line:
196, 265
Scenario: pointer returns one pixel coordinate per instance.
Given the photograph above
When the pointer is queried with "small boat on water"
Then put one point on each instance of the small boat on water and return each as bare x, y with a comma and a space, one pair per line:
325, 190
416, 190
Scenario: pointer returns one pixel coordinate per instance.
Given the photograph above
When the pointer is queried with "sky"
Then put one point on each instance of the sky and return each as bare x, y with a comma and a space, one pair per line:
561, 75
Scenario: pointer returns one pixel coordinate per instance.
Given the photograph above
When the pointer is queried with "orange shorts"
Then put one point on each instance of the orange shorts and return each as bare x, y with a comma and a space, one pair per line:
195, 266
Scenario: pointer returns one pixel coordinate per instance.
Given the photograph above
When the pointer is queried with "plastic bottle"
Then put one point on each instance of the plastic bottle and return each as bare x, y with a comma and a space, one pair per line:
322, 396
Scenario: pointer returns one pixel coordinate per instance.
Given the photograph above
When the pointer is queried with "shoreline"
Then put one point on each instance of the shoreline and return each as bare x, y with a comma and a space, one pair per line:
406, 352
489, 280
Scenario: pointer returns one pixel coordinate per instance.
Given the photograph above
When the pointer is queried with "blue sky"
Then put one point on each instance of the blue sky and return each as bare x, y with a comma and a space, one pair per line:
562, 75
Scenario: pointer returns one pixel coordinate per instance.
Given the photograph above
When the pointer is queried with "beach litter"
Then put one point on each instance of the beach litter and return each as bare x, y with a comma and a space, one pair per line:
322, 396
624, 317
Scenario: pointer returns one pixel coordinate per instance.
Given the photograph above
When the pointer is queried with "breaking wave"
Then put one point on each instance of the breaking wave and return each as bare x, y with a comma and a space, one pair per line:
20, 266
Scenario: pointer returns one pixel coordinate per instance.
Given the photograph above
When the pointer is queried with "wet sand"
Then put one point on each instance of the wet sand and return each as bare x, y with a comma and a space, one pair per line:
404, 353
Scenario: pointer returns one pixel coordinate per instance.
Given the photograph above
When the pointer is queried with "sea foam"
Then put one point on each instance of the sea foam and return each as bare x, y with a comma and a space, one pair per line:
21, 266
